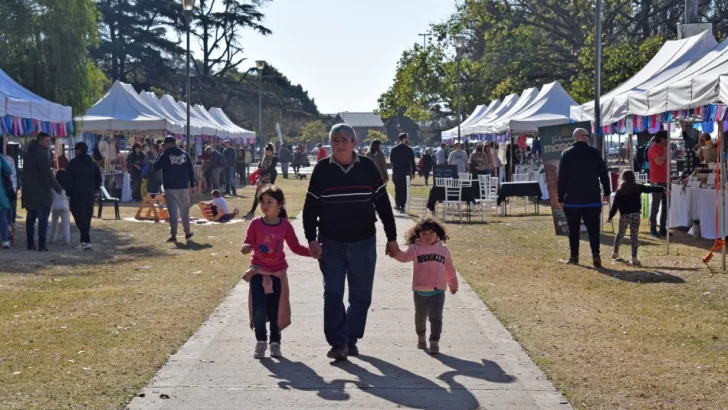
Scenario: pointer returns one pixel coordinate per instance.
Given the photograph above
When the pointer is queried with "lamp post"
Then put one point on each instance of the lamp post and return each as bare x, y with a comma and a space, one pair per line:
260, 65
598, 81
188, 6
459, 44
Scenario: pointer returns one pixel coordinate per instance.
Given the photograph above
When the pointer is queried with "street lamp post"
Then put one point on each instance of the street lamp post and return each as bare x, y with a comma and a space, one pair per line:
260, 65
188, 6
459, 44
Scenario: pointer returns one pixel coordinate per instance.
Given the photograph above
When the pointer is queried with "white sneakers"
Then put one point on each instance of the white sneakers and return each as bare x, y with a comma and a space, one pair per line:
261, 347
84, 246
275, 350
6, 245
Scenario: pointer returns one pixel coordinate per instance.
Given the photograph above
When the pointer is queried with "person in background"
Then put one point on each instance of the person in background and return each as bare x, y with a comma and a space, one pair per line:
537, 147
240, 165
83, 179
231, 157
299, 158
216, 167
63, 159
707, 154
154, 177
375, 154
479, 162
284, 156
581, 171
38, 181
248, 161
427, 165
441, 155
459, 158
60, 211
5, 201
135, 162
321, 152
98, 158
268, 174
13, 213
218, 205
657, 158
402, 159
178, 178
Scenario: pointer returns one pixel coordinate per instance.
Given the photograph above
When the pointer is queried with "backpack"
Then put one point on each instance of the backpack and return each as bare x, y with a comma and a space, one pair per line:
641, 155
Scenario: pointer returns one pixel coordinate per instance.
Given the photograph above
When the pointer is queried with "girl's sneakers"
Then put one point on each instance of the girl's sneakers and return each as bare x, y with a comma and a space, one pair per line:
636, 262
615, 255
260, 349
275, 350
422, 342
434, 347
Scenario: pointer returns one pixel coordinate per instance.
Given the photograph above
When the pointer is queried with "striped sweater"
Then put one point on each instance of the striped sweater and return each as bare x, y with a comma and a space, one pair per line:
340, 203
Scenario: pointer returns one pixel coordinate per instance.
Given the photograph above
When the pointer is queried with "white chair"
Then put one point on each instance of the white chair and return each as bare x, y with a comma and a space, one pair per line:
642, 178
465, 176
521, 177
453, 196
488, 194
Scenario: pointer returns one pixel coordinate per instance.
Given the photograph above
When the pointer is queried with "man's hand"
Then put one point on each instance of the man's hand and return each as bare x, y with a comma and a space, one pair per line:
412, 176
609, 220
246, 249
668, 192
315, 249
607, 199
392, 248
561, 205
192, 191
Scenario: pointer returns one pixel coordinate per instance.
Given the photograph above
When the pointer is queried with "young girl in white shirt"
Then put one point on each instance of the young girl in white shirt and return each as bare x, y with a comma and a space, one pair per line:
60, 211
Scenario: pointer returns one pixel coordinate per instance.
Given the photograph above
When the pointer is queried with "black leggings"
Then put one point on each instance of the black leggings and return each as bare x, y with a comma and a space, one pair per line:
265, 308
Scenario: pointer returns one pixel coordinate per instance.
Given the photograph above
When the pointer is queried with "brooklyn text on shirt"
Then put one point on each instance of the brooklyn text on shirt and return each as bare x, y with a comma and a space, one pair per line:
431, 257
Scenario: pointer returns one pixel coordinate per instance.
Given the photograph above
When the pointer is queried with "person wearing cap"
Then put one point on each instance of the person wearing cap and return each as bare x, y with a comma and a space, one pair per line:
580, 195
83, 179
178, 179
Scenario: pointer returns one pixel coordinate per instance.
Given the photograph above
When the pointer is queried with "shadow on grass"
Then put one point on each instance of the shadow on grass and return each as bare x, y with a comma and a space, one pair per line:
192, 246
642, 276
298, 376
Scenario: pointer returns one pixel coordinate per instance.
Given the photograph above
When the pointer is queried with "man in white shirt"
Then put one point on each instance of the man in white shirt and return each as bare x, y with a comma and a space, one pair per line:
459, 158
441, 155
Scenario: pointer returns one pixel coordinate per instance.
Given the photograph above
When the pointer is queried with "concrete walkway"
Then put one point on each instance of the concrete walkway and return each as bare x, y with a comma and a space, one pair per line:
480, 367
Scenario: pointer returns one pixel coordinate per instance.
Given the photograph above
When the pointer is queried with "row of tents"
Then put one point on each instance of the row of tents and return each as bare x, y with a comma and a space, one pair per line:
121, 110
682, 80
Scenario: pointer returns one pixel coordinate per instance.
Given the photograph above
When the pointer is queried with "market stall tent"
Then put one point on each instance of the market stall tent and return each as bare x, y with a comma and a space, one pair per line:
225, 131
494, 114
152, 100
674, 57
528, 96
17, 101
474, 116
549, 107
122, 110
180, 113
222, 118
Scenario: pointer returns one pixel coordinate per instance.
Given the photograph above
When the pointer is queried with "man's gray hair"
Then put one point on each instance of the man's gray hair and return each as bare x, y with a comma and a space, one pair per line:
342, 129
580, 132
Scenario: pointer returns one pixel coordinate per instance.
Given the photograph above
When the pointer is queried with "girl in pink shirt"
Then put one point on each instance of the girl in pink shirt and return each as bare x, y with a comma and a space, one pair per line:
268, 295
433, 273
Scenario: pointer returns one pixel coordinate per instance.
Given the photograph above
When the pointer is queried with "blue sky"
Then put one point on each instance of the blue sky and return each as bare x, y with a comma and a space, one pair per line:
344, 52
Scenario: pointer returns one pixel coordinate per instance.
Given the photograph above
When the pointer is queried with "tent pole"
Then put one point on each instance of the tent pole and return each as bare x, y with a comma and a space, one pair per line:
721, 180
669, 186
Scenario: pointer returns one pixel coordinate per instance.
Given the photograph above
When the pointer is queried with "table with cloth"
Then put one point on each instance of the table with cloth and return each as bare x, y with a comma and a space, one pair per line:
695, 204
536, 175
467, 195
121, 181
516, 189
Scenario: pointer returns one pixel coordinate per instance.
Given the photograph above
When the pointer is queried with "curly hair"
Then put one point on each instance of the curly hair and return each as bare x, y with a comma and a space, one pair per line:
426, 224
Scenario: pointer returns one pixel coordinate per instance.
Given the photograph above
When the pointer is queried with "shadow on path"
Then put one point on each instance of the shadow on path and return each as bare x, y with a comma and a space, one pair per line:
487, 370
298, 376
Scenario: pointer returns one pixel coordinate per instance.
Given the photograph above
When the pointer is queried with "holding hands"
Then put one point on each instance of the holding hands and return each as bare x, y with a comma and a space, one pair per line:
315, 249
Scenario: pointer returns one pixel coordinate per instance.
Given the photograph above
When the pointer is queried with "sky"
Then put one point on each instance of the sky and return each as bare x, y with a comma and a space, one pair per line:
344, 52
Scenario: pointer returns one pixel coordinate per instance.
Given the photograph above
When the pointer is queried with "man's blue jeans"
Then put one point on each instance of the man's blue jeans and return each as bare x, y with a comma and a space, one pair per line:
355, 262
41, 214
230, 179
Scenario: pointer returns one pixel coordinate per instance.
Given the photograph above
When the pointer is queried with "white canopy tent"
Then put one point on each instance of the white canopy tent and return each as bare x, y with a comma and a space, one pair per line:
121, 109
17, 101
225, 131
700, 84
474, 116
152, 100
180, 113
222, 118
528, 96
674, 57
550, 107
508, 103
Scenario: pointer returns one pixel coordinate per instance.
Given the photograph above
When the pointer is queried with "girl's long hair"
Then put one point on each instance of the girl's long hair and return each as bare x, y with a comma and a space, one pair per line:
627, 183
426, 224
275, 193
375, 146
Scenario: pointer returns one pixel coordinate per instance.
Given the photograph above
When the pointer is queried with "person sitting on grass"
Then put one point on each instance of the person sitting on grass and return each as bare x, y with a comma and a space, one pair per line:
433, 273
628, 201
218, 208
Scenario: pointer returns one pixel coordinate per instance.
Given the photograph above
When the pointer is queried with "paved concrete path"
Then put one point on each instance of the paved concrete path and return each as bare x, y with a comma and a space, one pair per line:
481, 366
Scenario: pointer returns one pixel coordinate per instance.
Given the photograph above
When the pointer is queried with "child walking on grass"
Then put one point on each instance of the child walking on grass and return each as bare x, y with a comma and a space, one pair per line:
268, 295
628, 201
60, 211
433, 273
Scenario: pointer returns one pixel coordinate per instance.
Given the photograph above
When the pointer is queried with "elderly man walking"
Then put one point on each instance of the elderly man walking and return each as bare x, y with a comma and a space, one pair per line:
339, 222
38, 181
580, 172
178, 179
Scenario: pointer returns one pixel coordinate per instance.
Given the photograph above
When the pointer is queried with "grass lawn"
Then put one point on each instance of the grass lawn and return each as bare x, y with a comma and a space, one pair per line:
615, 338
89, 329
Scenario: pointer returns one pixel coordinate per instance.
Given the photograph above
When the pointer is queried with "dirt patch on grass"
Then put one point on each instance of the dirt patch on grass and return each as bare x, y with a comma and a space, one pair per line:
618, 337
89, 329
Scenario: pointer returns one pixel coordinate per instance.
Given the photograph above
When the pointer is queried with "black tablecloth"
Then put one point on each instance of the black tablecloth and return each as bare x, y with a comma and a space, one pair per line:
437, 194
508, 189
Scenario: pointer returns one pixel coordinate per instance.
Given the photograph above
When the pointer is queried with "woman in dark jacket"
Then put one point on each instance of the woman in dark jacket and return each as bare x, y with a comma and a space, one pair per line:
135, 162
299, 159
268, 174
154, 178
427, 164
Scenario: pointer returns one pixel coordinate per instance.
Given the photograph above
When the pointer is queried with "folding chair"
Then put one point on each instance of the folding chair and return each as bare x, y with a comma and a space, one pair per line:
105, 197
453, 195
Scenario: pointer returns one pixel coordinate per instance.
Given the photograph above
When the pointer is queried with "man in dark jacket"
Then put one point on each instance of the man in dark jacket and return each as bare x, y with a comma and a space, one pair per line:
38, 181
403, 167
83, 179
231, 157
580, 171
178, 178
284, 156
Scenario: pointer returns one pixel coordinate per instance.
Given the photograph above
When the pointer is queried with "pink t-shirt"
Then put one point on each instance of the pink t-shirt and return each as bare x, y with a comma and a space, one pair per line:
267, 243
433, 267
658, 173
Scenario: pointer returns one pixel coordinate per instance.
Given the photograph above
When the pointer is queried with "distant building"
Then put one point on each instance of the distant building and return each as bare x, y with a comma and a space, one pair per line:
362, 122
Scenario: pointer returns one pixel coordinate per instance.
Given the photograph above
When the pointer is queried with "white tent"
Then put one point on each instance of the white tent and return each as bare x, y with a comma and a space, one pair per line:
528, 96
152, 100
222, 118
17, 101
225, 131
493, 114
474, 116
674, 57
121, 109
180, 113
700, 84
550, 107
